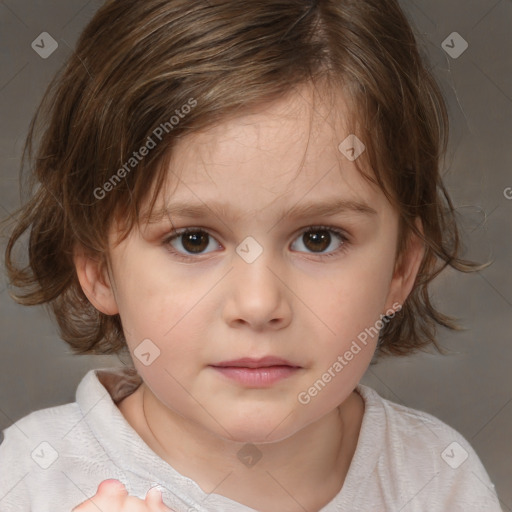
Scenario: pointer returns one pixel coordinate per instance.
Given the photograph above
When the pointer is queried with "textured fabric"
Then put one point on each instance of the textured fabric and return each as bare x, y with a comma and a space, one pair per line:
55, 458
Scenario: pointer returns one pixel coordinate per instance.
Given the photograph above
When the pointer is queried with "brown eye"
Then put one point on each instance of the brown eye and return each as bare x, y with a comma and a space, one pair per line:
317, 240
192, 242
195, 242
321, 241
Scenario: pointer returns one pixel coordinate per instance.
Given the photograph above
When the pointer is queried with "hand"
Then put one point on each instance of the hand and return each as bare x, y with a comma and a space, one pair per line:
112, 496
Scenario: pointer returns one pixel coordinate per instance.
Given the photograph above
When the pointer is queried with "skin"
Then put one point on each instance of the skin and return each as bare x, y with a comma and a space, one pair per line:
292, 302
113, 494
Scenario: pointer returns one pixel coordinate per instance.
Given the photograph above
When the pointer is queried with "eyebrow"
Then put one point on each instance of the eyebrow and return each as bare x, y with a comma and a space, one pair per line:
300, 210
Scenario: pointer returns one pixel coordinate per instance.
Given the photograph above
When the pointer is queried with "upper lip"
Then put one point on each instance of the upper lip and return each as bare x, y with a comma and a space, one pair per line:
249, 362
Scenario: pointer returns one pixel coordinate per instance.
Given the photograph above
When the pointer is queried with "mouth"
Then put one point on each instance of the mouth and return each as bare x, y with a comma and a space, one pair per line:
249, 362
256, 373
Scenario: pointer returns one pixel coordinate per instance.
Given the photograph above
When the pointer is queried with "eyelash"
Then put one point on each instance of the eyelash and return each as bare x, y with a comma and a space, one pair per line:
187, 257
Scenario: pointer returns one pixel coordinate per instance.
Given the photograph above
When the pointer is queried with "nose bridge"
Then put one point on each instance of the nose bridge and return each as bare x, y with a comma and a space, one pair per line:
256, 295
253, 274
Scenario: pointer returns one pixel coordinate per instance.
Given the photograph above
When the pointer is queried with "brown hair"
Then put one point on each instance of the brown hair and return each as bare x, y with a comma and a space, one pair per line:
135, 68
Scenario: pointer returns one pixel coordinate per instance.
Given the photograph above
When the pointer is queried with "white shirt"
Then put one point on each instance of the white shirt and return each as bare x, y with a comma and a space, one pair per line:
406, 460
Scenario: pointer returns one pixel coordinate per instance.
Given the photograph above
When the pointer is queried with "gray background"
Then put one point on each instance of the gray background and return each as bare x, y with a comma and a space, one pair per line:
471, 388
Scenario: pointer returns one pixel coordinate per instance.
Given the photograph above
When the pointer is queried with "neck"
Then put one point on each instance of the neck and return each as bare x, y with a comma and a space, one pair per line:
311, 463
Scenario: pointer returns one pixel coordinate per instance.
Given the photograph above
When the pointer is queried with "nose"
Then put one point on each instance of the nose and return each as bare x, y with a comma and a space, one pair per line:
257, 295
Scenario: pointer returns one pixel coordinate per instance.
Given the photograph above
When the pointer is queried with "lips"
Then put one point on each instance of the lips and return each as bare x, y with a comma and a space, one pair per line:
248, 362
256, 373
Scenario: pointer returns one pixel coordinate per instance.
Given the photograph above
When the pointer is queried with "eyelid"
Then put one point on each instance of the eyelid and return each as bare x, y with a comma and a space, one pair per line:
176, 233
324, 227
340, 233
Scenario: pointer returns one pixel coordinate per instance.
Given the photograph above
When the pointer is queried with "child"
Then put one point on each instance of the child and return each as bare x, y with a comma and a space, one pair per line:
193, 154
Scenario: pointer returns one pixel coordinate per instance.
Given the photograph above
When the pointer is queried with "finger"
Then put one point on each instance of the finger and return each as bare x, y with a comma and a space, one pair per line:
110, 492
154, 496
155, 501
112, 487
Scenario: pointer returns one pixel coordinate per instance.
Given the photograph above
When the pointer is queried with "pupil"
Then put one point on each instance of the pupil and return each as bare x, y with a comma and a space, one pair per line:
320, 240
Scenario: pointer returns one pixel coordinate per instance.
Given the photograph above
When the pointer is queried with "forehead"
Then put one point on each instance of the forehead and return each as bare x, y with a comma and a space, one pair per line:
302, 120
280, 153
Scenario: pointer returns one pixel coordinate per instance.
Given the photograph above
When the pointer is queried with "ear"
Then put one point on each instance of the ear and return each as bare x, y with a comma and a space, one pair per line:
95, 282
406, 268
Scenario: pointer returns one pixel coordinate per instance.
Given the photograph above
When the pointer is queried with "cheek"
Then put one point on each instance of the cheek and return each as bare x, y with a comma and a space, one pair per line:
151, 298
163, 316
349, 303
351, 298
344, 341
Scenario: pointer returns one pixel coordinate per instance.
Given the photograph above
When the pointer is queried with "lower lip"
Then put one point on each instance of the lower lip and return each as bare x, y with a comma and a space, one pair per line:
257, 377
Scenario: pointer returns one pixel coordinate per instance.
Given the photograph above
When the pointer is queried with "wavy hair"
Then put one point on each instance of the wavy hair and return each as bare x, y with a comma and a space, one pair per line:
137, 64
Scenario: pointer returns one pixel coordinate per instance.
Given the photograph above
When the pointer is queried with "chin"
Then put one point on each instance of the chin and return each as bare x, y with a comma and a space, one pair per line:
258, 430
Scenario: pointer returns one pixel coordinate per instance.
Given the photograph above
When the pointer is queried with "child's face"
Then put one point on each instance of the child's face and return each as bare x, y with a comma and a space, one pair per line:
303, 299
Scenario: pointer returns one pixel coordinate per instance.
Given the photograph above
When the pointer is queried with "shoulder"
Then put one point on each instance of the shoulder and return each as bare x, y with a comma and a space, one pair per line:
408, 427
51, 423
424, 453
36, 427
404, 422
61, 425
41, 448
31, 444
54, 420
